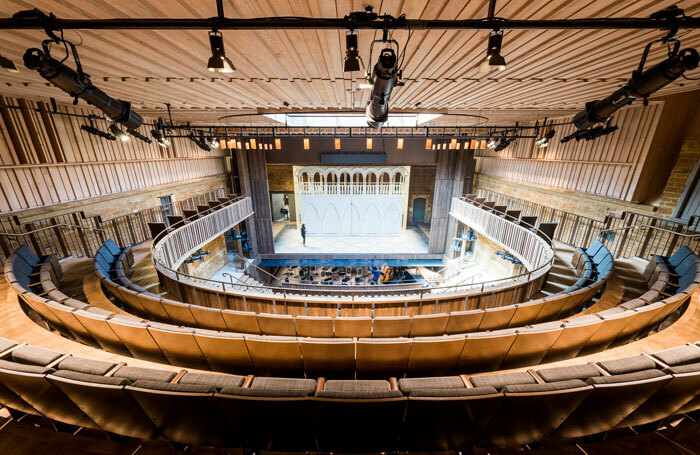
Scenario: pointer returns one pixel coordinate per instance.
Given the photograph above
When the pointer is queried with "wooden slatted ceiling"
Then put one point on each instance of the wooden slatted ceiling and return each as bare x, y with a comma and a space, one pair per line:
47, 160
606, 166
559, 69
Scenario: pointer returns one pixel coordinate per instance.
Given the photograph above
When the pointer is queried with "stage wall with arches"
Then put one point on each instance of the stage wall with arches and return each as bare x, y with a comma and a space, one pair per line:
352, 201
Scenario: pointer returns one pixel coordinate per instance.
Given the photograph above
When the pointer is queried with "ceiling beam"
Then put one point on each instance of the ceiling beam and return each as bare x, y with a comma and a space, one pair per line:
384, 22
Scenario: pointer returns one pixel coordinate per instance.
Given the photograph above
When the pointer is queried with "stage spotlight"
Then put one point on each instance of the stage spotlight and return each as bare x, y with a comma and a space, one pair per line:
384, 77
544, 140
590, 133
352, 56
278, 143
218, 61
641, 85
158, 136
200, 143
78, 85
138, 135
399, 143
369, 143
8, 65
92, 130
494, 60
492, 143
121, 135
212, 142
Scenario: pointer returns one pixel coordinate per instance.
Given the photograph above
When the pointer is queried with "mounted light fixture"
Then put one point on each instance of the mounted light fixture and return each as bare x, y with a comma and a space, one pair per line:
369, 143
543, 142
223, 144
92, 130
505, 142
212, 142
306, 143
428, 143
119, 134
337, 143
253, 143
352, 56
492, 143
399, 143
218, 61
160, 139
278, 143
641, 85
494, 60
138, 135
8, 65
365, 86
232, 144
78, 85
200, 143
384, 77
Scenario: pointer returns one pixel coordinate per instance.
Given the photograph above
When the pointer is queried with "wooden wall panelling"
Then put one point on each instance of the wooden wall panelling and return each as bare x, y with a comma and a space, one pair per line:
46, 159
604, 166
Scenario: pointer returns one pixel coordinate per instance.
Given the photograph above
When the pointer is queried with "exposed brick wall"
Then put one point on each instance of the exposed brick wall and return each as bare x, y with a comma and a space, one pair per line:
280, 177
422, 184
120, 204
688, 157
212, 262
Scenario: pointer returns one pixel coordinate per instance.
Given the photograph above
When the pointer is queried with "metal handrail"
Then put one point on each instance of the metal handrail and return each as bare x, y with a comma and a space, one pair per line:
53, 226
643, 226
348, 292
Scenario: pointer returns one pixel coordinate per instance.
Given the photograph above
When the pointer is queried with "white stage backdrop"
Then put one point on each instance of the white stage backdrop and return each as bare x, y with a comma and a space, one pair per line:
352, 200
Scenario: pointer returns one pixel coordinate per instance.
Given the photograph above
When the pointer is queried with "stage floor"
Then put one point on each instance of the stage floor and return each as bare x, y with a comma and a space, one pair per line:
410, 241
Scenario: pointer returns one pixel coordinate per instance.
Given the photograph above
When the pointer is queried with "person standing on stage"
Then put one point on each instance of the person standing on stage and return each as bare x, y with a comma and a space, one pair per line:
303, 233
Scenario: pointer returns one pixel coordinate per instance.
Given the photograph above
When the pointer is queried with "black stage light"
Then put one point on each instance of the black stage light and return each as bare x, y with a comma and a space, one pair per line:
544, 140
8, 64
200, 143
494, 60
492, 143
121, 135
218, 61
212, 142
590, 133
384, 77
79, 86
352, 60
92, 130
505, 142
160, 139
641, 85
138, 135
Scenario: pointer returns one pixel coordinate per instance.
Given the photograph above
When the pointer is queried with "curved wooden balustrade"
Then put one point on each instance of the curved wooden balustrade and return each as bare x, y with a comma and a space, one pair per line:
228, 351
528, 245
108, 262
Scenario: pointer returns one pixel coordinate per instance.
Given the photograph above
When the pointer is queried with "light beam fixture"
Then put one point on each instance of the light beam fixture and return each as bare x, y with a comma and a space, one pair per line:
543, 142
138, 135
160, 139
278, 143
92, 130
337, 143
119, 134
384, 77
352, 56
306, 143
399, 143
218, 61
369, 143
8, 65
494, 60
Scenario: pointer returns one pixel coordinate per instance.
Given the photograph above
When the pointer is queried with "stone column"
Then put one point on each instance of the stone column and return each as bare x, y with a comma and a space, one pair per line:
449, 183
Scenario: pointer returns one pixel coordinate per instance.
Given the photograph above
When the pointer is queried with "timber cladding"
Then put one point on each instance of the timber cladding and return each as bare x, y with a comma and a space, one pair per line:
46, 159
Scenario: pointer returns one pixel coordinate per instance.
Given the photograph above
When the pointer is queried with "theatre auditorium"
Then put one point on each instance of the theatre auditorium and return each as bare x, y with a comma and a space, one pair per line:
259, 227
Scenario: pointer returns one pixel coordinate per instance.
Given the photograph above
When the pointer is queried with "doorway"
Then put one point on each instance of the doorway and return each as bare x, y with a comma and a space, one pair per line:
418, 209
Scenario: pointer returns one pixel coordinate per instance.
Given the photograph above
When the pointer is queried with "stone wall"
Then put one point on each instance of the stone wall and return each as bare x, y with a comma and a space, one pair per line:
687, 160
119, 204
570, 201
421, 185
212, 262
281, 177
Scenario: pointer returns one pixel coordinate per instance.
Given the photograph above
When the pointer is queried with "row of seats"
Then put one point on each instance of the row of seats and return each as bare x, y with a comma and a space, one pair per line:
229, 351
418, 414
112, 271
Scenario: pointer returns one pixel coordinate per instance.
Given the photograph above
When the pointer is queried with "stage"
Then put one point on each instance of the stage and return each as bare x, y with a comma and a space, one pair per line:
412, 240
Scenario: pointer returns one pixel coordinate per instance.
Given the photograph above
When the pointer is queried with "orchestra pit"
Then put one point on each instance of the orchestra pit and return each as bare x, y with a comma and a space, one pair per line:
327, 227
